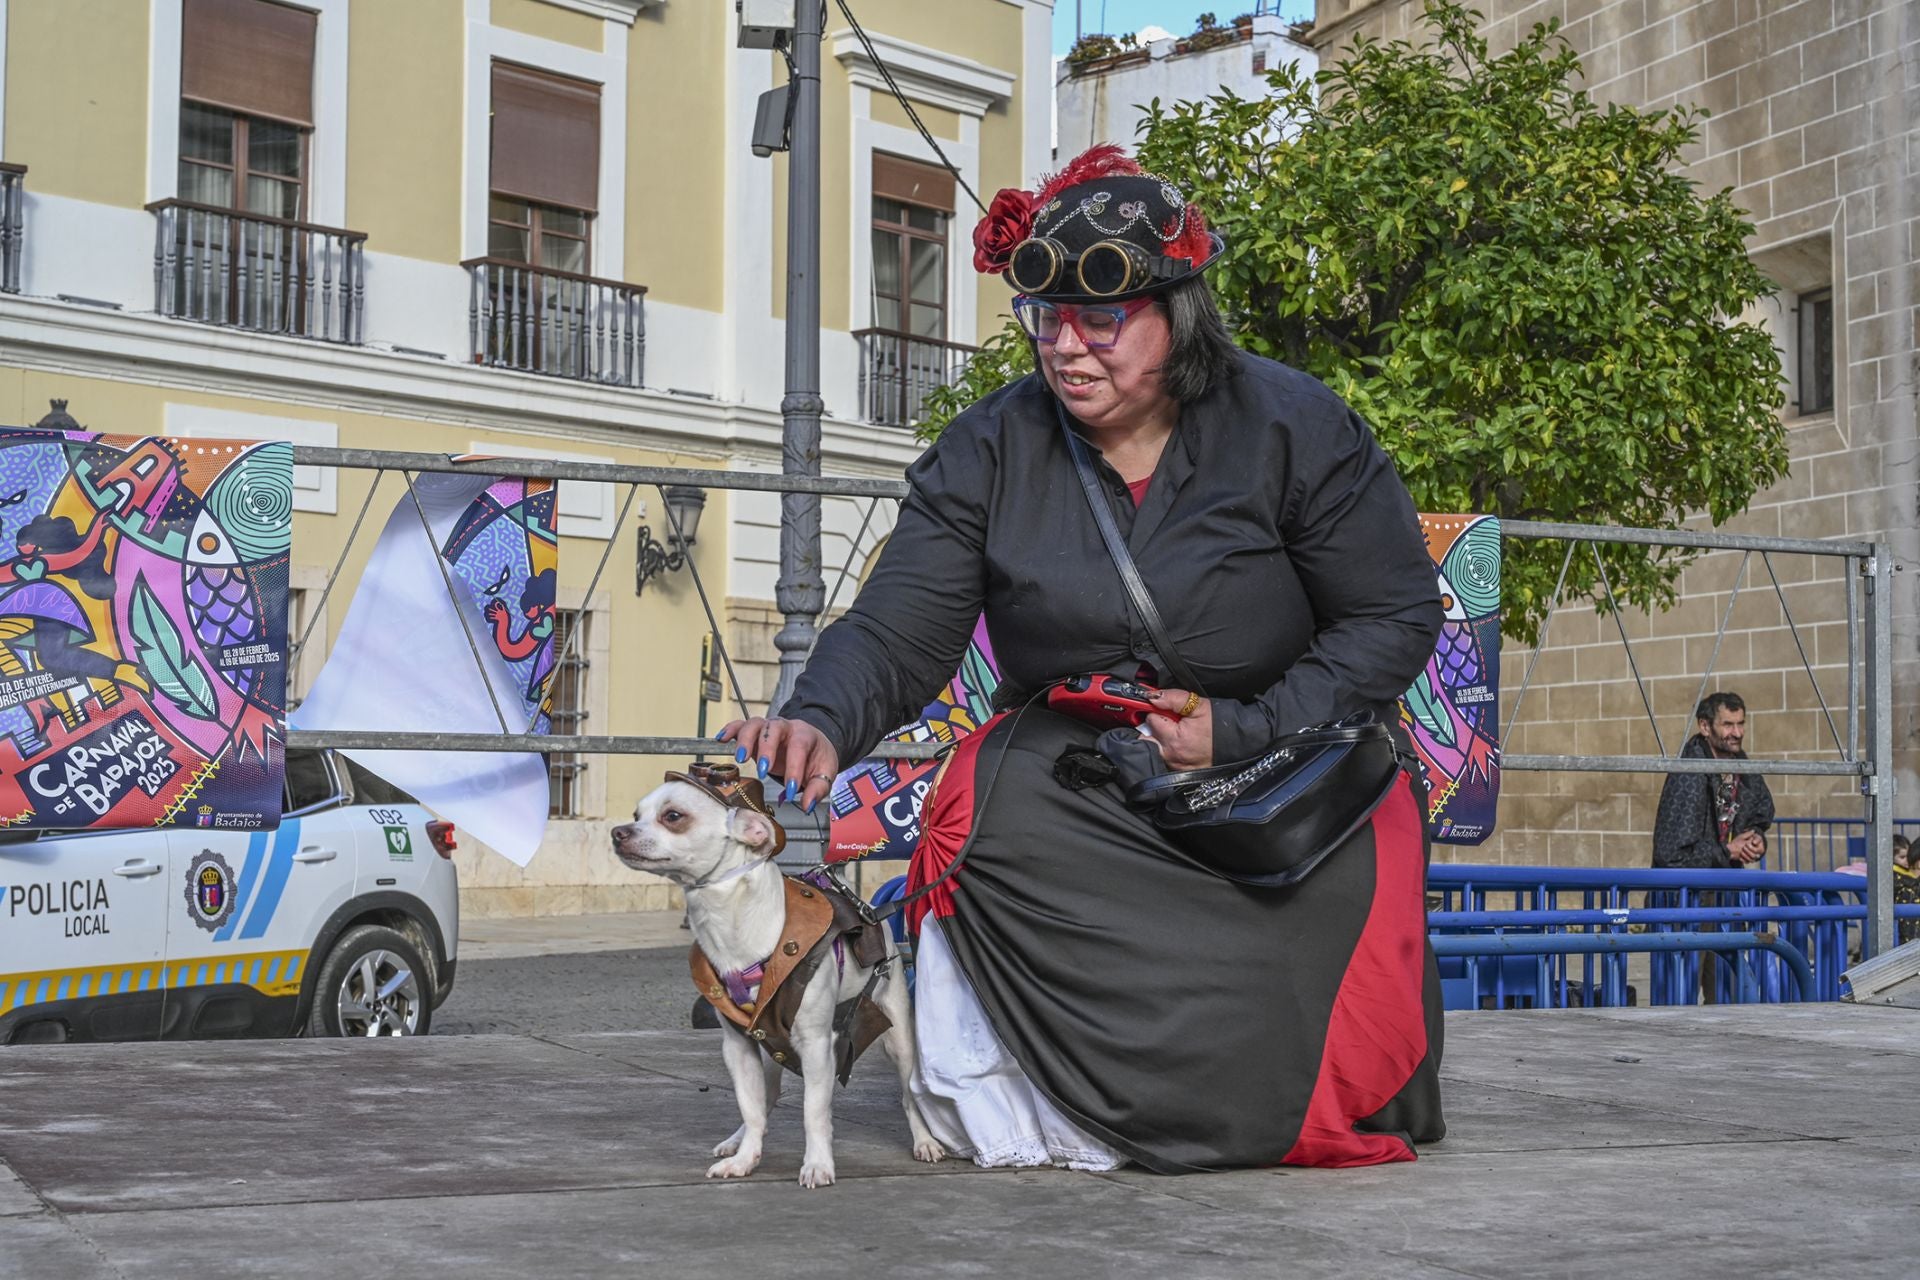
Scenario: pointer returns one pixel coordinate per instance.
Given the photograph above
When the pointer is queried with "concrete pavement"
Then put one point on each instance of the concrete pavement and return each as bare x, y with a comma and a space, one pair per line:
515, 937
1703, 1142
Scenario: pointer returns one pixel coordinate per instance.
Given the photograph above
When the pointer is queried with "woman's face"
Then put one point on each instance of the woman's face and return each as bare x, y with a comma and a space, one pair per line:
1117, 386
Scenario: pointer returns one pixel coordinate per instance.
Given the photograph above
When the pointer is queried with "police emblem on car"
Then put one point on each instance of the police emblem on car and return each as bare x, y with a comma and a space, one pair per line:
209, 890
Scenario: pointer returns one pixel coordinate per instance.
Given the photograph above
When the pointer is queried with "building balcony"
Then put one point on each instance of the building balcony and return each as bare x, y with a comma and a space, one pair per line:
249, 271
539, 320
13, 225
898, 371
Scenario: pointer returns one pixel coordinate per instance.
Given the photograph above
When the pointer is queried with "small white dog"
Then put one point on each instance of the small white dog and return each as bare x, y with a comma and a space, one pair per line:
709, 831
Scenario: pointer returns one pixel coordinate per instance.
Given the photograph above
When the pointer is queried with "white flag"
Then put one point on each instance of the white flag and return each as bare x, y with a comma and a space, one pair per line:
404, 662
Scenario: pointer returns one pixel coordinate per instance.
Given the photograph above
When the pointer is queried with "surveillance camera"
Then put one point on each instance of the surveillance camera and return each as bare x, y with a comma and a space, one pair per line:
770, 122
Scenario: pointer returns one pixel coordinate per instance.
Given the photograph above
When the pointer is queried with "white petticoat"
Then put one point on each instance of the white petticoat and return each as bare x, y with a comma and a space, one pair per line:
972, 1093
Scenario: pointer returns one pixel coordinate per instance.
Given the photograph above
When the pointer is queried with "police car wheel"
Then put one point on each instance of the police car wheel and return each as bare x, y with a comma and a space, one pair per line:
374, 983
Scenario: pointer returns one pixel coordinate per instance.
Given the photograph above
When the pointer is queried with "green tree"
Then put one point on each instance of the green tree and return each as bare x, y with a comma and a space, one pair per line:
1537, 313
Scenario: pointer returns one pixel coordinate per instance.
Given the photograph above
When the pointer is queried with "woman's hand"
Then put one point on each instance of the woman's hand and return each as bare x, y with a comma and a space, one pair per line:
1185, 742
789, 749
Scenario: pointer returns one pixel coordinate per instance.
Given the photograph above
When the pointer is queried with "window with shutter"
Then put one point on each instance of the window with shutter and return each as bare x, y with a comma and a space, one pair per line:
246, 84
246, 114
545, 168
912, 210
250, 57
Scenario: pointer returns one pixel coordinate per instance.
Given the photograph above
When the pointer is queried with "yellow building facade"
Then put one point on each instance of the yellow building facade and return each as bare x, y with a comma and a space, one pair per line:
524, 227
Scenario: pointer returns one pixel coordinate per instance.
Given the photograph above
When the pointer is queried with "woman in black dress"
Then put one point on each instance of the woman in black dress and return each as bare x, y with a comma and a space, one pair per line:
1087, 994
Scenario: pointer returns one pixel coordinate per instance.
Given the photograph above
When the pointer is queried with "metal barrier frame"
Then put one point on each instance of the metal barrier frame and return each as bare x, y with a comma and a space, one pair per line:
1869, 666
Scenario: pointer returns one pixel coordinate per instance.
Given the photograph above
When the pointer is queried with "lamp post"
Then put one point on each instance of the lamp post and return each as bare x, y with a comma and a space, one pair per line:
800, 592
684, 504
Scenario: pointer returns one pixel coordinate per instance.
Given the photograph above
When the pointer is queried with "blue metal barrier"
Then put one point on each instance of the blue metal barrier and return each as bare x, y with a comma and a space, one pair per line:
1818, 916
1472, 946
1823, 844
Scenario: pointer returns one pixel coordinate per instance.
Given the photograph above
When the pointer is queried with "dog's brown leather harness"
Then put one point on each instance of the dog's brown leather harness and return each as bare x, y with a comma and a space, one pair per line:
817, 919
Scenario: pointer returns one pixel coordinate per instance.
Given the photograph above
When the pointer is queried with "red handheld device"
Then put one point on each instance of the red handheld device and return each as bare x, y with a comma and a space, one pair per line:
1103, 700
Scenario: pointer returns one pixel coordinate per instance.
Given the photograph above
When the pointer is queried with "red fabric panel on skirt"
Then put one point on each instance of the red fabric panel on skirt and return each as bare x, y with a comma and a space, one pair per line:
944, 826
1377, 1035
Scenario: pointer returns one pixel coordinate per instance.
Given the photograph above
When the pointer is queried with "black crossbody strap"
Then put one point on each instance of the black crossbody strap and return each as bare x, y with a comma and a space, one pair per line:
1123, 559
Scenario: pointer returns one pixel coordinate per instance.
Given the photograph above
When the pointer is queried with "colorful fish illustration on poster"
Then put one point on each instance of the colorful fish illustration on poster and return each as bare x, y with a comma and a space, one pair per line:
1453, 709
143, 630
505, 549
876, 804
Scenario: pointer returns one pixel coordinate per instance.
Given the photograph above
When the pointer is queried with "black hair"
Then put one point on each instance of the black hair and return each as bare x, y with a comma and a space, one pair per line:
1201, 354
1714, 703
538, 591
57, 534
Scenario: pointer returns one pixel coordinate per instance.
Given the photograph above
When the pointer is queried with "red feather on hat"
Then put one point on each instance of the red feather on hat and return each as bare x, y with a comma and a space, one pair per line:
1195, 243
1109, 160
1104, 161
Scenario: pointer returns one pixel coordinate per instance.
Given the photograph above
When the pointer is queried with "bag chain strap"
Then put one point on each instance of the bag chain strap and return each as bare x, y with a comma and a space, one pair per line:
1209, 795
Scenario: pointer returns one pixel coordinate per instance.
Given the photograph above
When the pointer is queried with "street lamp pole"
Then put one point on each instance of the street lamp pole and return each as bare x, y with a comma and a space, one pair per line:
800, 592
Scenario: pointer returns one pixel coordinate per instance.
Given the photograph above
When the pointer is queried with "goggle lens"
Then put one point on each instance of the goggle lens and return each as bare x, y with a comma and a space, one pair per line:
1111, 267
1036, 265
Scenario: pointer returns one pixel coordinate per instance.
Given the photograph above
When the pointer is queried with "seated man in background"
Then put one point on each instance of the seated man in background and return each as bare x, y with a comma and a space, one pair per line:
1713, 819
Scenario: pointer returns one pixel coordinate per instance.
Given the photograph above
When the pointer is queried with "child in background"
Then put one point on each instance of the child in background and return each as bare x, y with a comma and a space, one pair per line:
1906, 884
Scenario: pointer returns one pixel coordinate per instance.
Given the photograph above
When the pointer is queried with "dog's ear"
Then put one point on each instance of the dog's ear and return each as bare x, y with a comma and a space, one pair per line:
752, 830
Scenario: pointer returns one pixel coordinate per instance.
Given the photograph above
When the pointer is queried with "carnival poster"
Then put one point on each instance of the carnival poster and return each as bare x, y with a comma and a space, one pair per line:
505, 550
143, 630
405, 656
1452, 712
876, 804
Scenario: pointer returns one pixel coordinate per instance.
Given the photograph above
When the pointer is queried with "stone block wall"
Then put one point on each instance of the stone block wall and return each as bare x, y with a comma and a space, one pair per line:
1812, 124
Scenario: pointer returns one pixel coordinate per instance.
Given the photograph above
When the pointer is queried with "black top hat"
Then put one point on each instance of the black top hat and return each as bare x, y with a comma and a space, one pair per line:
1102, 230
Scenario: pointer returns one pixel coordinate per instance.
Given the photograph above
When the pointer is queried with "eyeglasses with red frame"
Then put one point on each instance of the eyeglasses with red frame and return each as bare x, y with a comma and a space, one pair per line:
1098, 324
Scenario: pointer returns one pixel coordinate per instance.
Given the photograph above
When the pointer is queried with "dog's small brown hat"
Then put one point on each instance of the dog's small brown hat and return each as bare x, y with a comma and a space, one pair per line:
724, 783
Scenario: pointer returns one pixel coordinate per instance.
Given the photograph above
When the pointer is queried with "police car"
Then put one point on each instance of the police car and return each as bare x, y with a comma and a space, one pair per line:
340, 922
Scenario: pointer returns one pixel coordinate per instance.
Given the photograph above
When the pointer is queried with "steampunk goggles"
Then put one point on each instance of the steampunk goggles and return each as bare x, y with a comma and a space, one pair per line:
1104, 269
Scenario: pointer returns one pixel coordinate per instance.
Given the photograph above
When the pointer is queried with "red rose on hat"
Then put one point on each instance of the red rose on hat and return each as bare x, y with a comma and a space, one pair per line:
1009, 220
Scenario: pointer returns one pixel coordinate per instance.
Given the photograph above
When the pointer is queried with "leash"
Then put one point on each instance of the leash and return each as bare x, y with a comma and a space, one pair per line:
879, 915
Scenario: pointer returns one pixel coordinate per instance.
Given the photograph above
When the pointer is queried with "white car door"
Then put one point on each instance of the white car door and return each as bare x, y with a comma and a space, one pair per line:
247, 909
82, 934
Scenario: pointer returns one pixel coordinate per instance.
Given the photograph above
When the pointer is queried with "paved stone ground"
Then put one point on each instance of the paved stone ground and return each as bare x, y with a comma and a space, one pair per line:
1709, 1142
565, 975
569, 994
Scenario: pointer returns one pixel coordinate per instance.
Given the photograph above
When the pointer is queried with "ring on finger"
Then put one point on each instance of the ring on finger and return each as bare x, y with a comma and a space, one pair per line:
1192, 705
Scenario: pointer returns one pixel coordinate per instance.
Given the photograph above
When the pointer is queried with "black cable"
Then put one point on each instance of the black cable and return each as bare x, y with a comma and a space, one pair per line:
887, 75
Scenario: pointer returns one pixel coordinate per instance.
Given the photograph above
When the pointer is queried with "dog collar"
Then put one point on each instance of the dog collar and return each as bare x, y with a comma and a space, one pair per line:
732, 874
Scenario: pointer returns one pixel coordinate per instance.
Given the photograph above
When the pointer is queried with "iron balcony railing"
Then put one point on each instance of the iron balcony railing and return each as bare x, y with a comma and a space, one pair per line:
13, 224
539, 320
250, 271
898, 371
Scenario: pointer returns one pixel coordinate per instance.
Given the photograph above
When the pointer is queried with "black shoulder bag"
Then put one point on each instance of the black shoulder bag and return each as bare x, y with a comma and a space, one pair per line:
1269, 820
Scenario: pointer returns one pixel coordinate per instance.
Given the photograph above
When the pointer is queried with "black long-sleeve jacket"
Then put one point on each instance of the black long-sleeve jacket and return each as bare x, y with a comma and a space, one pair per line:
1686, 827
1280, 545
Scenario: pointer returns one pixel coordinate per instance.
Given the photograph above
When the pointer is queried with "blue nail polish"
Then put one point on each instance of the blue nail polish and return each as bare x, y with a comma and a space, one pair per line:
792, 791
811, 804
720, 736
764, 765
740, 754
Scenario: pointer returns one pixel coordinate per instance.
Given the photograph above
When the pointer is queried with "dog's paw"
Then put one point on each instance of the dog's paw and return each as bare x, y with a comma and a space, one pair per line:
734, 1168
731, 1144
929, 1151
816, 1173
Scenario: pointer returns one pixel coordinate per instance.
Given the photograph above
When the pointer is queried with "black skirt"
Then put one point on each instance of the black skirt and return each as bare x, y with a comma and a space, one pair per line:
1191, 1022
